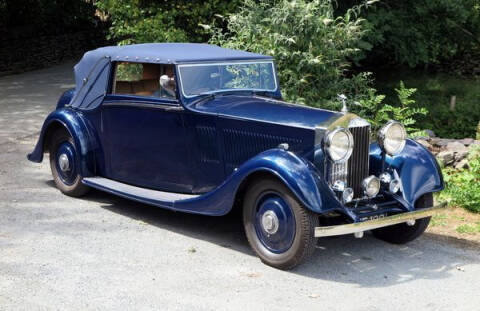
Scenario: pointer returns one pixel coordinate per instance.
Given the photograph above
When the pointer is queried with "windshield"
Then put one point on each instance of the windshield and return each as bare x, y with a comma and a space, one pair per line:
199, 79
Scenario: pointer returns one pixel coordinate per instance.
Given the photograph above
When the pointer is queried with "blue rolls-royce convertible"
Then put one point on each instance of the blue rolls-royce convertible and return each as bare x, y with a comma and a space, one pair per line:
202, 129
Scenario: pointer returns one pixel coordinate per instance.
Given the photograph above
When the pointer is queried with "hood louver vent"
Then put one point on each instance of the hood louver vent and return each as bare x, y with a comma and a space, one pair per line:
242, 145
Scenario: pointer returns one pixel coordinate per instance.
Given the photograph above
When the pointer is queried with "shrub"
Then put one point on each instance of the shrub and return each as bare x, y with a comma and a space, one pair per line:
312, 47
377, 113
463, 186
140, 21
434, 93
478, 131
423, 32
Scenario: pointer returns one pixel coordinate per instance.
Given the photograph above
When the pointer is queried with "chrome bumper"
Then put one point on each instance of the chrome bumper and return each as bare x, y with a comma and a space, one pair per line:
377, 223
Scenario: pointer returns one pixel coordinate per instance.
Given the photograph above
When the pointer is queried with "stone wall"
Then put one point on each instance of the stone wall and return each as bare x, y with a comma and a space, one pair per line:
450, 152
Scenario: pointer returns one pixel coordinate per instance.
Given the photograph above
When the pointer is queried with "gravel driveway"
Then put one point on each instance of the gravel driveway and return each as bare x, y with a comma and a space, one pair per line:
104, 252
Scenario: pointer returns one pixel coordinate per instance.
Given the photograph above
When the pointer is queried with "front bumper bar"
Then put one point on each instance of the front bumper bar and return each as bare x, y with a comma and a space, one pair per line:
377, 223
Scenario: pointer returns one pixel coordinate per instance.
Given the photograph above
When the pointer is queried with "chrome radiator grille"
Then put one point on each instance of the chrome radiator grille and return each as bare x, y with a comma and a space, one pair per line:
355, 170
357, 166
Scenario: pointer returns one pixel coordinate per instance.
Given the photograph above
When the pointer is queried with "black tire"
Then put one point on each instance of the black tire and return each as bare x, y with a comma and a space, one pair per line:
402, 233
305, 221
75, 188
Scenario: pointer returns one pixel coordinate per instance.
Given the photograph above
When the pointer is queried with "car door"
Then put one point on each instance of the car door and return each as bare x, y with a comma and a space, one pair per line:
145, 137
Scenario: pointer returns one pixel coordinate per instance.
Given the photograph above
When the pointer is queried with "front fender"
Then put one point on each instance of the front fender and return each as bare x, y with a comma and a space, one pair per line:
300, 176
416, 167
76, 125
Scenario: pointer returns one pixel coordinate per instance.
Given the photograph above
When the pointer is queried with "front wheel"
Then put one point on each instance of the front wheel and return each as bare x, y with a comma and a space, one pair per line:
278, 228
63, 159
403, 233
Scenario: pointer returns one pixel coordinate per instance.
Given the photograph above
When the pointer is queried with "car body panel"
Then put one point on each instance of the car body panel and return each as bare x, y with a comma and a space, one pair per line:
299, 176
266, 110
415, 167
80, 131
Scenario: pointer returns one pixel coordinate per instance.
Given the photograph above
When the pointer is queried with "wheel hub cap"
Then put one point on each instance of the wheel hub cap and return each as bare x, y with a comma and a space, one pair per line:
63, 162
274, 222
270, 222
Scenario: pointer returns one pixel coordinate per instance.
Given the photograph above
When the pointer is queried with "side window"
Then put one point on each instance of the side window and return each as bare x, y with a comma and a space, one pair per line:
144, 79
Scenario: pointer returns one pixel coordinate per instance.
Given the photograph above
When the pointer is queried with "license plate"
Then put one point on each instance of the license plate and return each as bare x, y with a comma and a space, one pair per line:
374, 217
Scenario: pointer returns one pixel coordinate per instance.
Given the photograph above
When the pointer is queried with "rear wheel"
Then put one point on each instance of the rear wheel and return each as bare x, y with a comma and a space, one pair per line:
279, 229
63, 159
403, 233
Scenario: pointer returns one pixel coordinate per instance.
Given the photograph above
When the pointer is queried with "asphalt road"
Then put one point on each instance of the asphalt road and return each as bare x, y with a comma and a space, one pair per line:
104, 252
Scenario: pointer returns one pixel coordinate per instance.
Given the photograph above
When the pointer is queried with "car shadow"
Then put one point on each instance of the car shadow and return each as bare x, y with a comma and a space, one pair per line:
367, 262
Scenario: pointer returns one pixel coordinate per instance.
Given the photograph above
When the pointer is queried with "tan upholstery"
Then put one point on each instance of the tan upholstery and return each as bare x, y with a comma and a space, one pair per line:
145, 87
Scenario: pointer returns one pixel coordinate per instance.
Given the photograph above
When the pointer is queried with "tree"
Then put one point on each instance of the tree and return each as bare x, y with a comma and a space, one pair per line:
312, 47
140, 21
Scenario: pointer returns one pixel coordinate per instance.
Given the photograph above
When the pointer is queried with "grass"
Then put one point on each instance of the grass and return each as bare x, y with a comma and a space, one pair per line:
434, 92
463, 186
439, 220
457, 222
469, 228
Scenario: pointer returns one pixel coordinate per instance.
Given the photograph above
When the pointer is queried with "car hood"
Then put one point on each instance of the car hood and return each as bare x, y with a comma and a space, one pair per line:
269, 110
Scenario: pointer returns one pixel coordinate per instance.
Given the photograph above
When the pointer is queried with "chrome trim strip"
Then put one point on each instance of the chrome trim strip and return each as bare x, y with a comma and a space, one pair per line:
377, 223
146, 105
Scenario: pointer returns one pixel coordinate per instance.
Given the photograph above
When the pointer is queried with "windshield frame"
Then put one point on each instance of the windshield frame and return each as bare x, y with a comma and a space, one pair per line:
271, 62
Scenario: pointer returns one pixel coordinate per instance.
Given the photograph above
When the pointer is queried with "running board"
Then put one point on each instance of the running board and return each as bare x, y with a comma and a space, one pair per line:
148, 196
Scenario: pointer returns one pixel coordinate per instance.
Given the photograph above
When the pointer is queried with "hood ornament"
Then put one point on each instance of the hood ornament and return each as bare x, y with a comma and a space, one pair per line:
343, 99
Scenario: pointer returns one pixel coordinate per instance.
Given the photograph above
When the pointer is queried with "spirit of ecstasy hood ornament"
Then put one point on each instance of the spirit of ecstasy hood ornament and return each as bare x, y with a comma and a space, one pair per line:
343, 99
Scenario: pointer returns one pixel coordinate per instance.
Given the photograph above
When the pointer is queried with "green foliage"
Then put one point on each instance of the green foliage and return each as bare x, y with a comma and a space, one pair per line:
129, 72
463, 186
469, 228
422, 32
434, 93
312, 47
140, 21
377, 113
478, 131
439, 220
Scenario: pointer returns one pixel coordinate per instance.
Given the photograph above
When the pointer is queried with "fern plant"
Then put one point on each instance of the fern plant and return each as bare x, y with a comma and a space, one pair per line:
377, 113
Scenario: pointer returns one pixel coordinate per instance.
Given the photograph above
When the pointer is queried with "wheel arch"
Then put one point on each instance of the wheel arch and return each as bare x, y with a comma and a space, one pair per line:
53, 127
247, 181
298, 175
75, 125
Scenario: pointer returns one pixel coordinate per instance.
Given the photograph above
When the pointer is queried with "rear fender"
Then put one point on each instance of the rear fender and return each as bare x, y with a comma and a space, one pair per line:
76, 125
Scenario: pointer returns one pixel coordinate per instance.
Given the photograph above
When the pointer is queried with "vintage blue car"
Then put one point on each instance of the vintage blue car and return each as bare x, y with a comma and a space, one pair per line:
202, 129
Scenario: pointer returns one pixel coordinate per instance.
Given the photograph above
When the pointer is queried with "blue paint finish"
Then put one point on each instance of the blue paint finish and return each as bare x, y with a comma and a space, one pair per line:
146, 146
297, 174
416, 166
65, 98
265, 110
282, 239
76, 125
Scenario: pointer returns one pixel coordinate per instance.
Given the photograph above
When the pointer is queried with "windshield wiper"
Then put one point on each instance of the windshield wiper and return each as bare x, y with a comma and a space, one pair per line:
201, 98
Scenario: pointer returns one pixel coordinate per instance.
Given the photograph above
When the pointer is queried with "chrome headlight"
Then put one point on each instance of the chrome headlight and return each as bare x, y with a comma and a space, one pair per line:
339, 144
392, 137
371, 186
